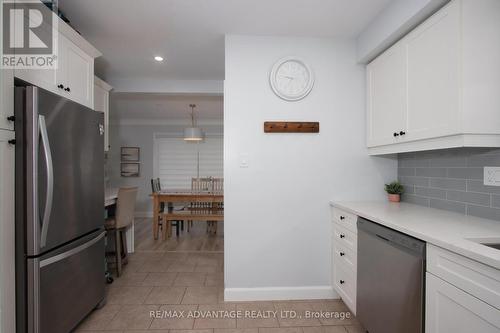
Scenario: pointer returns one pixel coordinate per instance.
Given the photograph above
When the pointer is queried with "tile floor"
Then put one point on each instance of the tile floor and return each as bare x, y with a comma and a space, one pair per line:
157, 282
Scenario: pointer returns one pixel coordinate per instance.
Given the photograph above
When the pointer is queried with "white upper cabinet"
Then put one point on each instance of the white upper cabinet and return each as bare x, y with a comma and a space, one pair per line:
433, 53
74, 76
76, 73
101, 104
386, 77
434, 88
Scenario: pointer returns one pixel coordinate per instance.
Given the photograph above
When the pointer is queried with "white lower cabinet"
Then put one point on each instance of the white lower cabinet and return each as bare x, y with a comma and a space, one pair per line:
462, 295
344, 254
450, 309
7, 236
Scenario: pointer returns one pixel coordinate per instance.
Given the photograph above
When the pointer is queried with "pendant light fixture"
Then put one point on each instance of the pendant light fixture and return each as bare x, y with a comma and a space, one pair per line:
193, 133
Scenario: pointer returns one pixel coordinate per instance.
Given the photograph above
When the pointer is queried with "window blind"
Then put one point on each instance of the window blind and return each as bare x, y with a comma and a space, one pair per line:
177, 161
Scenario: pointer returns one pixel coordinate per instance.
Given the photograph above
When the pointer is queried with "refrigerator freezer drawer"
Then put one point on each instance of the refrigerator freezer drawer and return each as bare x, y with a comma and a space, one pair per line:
71, 284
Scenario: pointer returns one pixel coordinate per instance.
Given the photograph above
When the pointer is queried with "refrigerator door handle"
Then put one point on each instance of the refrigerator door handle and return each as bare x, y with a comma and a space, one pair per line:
50, 180
71, 252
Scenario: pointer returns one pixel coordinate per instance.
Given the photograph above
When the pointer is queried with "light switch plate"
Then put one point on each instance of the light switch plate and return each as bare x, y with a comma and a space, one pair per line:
492, 176
244, 160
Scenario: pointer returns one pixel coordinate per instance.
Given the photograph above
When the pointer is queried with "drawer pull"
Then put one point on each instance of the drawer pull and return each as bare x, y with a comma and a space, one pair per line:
342, 254
342, 281
342, 217
342, 236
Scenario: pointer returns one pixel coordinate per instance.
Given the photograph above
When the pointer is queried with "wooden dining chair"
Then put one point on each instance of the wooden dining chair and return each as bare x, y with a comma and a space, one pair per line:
201, 184
206, 184
125, 211
218, 185
156, 188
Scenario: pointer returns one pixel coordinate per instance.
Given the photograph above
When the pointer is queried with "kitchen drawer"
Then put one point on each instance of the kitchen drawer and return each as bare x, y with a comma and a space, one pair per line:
477, 279
345, 284
345, 256
345, 219
344, 237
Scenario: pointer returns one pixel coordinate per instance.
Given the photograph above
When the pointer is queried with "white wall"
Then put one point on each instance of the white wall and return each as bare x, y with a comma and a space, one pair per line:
277, 230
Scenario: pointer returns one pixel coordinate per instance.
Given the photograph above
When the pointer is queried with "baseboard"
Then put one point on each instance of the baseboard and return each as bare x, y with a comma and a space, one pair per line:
143, 214
279, 293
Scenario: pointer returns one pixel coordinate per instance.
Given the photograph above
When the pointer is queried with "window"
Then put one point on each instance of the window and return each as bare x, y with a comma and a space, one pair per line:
176, 161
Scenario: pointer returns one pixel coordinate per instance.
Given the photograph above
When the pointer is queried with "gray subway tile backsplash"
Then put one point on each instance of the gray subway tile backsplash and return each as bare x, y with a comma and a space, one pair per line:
465, 173
418, 181
431, 172
414, 199
449, 183
456, 207
448, 161
495, 201
482, 199
406, 171
484, 212
451, 179
430, 192
478, 186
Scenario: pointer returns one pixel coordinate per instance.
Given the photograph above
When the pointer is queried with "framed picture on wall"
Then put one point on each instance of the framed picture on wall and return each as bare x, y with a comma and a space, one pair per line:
130, 169
130, 154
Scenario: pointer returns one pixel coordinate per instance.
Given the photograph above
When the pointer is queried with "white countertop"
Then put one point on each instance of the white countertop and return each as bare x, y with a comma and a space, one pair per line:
445, 229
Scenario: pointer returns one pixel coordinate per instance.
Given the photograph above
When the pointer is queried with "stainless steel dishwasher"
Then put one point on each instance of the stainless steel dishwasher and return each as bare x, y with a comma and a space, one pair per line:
390, 280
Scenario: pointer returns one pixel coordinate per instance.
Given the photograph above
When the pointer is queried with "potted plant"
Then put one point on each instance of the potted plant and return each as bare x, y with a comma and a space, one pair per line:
394, 190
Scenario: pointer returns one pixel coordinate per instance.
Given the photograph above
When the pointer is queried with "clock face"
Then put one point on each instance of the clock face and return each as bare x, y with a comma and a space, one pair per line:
291, 79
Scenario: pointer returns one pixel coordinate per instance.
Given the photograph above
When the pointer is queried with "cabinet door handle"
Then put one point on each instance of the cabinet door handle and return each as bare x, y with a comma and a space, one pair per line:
60, 86
67, 89
12, 142
342, 281
342, 235
11, 118
342, 254
402, 133
395, 134
342, 217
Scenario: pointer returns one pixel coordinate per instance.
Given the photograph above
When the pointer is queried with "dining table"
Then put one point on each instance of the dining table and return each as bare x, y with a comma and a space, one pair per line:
170, 197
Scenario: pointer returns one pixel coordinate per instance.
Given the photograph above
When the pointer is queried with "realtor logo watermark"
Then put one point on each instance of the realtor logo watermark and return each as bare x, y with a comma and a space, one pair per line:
29, 38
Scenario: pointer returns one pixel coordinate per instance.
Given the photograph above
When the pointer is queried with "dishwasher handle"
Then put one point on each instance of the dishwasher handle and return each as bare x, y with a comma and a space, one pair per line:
394, 237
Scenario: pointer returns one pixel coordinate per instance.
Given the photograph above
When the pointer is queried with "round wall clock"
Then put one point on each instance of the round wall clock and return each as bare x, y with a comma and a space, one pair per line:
291, 78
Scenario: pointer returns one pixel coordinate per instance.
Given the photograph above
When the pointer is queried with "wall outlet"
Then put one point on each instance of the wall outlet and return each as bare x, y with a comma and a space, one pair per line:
492, 176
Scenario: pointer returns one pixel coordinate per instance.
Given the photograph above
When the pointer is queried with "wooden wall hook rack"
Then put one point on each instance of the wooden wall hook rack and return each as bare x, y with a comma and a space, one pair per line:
291, 127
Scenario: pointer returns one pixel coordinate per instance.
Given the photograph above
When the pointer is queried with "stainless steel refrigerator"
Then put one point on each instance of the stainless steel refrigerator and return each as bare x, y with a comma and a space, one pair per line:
59, 211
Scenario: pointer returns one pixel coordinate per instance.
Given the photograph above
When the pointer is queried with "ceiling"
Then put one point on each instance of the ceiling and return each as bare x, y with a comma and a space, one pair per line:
189, 34
165, 108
